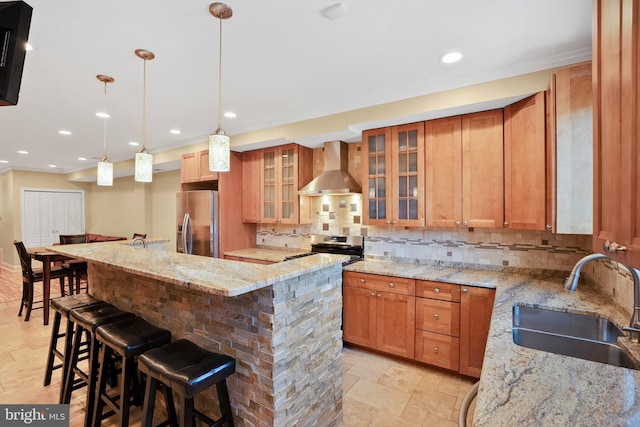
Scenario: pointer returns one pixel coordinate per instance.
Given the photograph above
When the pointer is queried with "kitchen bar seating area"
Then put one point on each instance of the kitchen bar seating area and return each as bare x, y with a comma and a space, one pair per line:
424, 395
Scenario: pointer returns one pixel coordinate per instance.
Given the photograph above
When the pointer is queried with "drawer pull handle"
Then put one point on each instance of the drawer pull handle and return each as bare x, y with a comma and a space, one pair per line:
436, 349
379, 295
373, 294
465, 290
436, 316
436, 290
361, 280
391, 285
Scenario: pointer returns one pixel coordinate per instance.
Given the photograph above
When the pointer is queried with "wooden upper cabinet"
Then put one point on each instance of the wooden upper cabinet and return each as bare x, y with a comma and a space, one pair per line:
616, 121
569, 104
443, 164
376, 190
250, 186
194, 167
285, 170
525, 192
393, 175
482, 169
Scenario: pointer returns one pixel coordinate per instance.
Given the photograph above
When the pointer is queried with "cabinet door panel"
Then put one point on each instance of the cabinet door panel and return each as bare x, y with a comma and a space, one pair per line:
438, 350
205, 173
359, 316
616, 126
476, 307
438, 290
395, 327
524, 164
407, 150
250, 186
377, 283
482, 166
376, 155
443, 163
442, 317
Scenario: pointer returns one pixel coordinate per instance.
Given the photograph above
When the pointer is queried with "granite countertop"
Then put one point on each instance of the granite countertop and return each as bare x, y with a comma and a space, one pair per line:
213, 275
265, 254
525, 387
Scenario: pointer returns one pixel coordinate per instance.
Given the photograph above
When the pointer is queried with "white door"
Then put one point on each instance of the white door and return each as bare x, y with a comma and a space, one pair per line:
48, 213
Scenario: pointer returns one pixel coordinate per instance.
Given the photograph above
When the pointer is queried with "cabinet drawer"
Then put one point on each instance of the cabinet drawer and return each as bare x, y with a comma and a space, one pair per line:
438, 290
442, 317
438, 350
378, 283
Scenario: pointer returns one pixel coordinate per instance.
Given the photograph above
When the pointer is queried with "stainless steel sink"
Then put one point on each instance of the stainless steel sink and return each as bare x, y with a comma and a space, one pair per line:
576, 335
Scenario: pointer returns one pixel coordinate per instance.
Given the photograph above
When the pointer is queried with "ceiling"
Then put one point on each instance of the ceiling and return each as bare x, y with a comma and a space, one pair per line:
283, 62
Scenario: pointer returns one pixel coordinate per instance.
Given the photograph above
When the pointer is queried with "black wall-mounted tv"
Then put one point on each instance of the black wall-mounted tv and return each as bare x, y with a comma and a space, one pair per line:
15, 20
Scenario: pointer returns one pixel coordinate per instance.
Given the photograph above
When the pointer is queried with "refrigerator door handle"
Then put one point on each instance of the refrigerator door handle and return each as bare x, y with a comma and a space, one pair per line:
187, 238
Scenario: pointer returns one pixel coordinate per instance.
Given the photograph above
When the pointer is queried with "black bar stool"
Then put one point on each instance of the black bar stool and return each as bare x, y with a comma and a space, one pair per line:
62, 306
187, 369
124, 340
88, 319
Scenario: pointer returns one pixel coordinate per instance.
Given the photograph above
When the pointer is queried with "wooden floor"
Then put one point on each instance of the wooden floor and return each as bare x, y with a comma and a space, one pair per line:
378, 390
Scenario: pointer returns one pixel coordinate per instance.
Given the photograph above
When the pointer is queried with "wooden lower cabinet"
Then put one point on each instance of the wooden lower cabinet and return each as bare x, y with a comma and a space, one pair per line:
441, 324
438, 350
377, 319
476, 306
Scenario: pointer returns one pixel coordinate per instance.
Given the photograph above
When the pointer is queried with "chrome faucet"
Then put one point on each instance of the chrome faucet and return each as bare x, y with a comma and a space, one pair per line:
135, 240
571, 284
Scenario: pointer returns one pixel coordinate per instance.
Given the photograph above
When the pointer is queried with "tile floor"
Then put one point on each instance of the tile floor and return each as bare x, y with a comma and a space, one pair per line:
378, 390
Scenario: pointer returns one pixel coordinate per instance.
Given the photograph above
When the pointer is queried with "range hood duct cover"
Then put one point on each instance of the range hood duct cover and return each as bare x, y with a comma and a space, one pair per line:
334, 179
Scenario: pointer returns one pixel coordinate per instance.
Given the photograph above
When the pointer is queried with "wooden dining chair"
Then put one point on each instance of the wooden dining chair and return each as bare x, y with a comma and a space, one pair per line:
32, 275
78, 267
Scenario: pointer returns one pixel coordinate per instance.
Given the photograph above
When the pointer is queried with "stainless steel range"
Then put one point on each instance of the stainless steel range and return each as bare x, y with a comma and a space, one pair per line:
353, 246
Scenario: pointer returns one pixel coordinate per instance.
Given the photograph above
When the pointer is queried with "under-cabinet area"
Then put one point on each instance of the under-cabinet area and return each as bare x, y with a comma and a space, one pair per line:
438, 323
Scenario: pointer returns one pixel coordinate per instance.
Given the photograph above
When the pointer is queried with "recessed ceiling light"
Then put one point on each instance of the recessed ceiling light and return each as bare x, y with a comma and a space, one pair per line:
23, 152
82, 158
334, 11
103, 115
64, 132
230, 114
452, 57
134, 144
175, 131
52, 166
4, 161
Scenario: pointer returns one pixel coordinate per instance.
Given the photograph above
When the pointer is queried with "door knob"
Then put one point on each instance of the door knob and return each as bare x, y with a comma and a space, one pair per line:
436, 316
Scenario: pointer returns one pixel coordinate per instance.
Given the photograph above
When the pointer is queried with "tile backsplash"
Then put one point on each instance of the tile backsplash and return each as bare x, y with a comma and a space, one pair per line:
483, 248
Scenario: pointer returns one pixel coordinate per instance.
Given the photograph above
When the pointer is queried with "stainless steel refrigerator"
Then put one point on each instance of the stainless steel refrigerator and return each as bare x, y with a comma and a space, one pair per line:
197, 222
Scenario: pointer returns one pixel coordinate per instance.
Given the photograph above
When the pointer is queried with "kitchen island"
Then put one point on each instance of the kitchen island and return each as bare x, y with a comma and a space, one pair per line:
280, 322
525, 387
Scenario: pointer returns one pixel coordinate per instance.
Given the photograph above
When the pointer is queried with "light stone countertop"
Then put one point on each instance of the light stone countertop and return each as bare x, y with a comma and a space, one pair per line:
265, 254
213, 275
524, 387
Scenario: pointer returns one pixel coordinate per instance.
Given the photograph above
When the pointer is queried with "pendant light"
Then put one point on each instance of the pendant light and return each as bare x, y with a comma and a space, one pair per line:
219, 147
105, 167
144, 160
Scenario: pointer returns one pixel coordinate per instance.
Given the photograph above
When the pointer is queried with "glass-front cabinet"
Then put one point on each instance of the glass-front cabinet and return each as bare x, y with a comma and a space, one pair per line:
394, 177
283, 173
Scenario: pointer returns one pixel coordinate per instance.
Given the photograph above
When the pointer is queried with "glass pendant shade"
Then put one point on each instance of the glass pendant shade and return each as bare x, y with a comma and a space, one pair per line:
105, 173
144, 167
219, 152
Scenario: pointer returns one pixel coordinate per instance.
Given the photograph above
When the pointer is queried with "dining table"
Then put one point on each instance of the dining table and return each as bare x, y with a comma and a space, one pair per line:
47, 258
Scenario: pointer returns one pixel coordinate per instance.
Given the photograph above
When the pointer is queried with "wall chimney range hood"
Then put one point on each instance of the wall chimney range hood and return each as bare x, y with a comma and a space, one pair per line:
334, 179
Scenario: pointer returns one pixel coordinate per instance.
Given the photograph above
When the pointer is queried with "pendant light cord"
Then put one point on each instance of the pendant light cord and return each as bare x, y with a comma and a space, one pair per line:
144, 108
105, 122
220, 78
